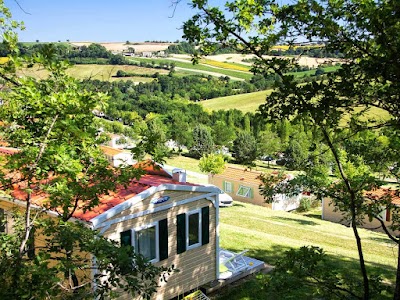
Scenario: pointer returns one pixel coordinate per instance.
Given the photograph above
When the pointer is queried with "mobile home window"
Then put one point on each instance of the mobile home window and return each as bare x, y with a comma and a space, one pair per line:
244, 191
150, 240
146, 242
194, 229
228, 188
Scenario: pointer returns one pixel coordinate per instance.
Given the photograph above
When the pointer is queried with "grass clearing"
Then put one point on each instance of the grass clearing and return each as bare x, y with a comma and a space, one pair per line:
268, 234
183, 162
245, 102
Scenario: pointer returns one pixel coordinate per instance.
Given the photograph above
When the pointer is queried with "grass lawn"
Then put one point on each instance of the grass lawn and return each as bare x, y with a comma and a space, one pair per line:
268, 234
245, 102
183, 162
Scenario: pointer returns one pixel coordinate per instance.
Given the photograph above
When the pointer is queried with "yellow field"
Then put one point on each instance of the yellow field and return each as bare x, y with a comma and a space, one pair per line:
224, 65
101, 72
244, 102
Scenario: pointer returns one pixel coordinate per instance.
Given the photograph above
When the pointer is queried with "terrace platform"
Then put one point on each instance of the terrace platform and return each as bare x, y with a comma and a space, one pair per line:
235, 266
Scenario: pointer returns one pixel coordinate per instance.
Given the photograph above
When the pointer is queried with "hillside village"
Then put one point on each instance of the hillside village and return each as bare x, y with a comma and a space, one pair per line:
221, 166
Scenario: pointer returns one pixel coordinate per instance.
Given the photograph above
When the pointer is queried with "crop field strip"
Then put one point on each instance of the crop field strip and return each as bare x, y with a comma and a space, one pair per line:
190, 66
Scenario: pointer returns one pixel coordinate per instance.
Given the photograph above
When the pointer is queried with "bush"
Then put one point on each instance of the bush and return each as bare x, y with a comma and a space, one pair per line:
306, 203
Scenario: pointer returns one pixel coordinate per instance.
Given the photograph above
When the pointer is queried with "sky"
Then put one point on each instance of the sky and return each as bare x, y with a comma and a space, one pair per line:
100, 20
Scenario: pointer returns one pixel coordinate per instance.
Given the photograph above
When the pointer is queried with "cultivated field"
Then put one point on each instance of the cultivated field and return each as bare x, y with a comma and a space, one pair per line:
311, 62
101, 72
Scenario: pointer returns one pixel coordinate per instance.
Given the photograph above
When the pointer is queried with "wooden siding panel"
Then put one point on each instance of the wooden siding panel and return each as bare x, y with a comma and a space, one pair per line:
257, 198
329, 214
197, 266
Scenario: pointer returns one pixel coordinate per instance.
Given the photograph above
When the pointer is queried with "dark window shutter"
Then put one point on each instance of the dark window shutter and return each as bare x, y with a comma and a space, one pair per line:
205, 225
181, 233
388, 215
2, 221
126, 238
163, 238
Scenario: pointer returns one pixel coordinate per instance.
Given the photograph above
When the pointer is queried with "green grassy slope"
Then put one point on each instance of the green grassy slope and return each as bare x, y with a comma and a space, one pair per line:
244, 102
268, 234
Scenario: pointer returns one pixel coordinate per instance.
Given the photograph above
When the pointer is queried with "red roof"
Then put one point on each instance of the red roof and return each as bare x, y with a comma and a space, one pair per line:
153, 168
8, 150
107, 201
384, 194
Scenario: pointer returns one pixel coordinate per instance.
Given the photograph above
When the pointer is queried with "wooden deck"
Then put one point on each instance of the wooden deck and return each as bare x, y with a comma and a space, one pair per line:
252, 266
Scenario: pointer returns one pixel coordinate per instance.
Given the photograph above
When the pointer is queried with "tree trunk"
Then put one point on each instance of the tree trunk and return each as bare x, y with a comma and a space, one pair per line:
361, 259
397, 287
353, 213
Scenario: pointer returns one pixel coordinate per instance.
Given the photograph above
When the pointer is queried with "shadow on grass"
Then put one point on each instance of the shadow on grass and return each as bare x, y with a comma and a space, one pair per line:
294, 220
312, 214
235, 204
385, 240
254, 286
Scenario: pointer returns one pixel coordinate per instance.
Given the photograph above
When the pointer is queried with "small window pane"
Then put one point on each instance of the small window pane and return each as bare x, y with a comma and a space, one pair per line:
146, 242
244, 191
228, 187
194, 229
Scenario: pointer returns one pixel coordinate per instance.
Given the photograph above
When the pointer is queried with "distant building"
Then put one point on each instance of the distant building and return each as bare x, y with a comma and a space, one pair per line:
329, 212
147, 54
243, 185
117, 157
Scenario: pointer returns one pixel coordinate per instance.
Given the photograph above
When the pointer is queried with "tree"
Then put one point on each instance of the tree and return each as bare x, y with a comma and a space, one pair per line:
153, 139
212, 163
245, 148
297, 152
268, 143
361, 31
202, 141
223, 134
179, 129
50, 123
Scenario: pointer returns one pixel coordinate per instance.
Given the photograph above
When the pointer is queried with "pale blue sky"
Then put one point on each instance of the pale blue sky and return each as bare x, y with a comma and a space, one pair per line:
100, 20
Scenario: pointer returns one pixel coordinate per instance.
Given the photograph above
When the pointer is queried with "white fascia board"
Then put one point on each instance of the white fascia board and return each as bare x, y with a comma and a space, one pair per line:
98, 220
106, 224
217, 248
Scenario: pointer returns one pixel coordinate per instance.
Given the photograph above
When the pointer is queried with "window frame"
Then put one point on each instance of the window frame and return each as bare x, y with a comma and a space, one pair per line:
199, 243
226, 185
157, 238
247, 194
